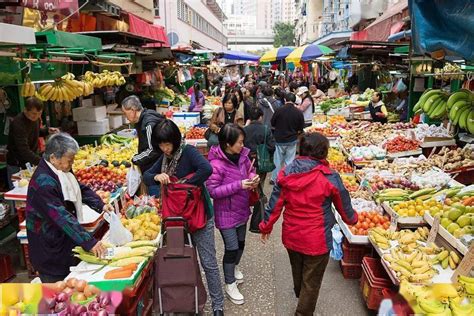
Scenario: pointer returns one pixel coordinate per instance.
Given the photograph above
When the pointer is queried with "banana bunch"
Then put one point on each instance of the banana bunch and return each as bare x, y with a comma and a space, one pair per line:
433, 102
447, 258
28, 89
467, 284
415, 267
380, 237
65, 88
391, 195
461, 110
433, 307
104, 79
449, 72
460, 308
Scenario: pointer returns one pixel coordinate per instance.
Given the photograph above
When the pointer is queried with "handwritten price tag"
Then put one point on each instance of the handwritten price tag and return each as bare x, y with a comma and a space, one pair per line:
434, 230
394, 222
465, 266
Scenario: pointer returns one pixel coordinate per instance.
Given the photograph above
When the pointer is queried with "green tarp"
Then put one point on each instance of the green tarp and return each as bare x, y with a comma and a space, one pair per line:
68, 40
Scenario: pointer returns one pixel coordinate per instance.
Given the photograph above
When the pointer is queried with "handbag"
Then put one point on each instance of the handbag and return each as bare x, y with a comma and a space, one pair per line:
184, 200
264, 158
257, 216
254, 196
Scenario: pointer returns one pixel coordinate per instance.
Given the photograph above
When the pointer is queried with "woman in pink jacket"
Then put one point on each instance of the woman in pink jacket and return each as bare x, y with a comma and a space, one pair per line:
232, 178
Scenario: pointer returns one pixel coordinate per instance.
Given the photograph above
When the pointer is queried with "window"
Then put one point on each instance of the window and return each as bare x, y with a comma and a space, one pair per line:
156, 6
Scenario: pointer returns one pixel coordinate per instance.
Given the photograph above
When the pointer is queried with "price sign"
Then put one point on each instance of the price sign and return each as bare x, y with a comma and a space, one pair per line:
434, 230
465, 266
116, 206
394, 222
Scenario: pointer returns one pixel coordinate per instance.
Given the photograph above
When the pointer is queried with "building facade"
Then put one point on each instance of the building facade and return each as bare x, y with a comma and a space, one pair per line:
309, 18
283, 11
198, 23
142, 8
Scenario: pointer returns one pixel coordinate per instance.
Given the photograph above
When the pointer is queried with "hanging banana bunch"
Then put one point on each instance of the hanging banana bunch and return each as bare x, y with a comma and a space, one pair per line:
28, 89
104, 79
63, 89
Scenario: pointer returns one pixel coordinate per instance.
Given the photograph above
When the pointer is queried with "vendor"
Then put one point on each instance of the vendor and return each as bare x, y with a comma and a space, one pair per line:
54, 203
23, 138
377, 109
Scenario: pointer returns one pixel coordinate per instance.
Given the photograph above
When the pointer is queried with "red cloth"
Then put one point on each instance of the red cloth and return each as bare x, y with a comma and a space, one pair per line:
145, 29
306, 188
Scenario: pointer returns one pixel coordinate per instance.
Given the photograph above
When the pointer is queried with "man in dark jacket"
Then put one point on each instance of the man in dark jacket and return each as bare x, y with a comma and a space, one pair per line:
288, 123
268, 104
145, 120
23, 138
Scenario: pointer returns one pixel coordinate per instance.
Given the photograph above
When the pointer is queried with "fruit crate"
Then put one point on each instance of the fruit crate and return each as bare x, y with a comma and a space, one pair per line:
443, 232
404, 221
350, 270
354, 253
374, 279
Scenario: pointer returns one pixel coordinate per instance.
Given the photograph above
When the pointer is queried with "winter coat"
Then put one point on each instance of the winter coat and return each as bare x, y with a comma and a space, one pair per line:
231, 202
218, 119
197, 105
268, 106
307, 188
255, 135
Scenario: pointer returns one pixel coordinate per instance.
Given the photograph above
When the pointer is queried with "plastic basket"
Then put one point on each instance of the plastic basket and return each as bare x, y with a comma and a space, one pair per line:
350, 270
373, 281
6, 268
354, 253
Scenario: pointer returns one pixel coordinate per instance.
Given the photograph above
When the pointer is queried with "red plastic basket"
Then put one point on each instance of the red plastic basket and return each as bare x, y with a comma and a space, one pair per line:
373, 281
6, 268
354, 253
350, 270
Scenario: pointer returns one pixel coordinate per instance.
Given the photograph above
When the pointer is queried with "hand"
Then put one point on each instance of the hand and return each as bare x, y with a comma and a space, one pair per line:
380, 114
98, 250
264, 238
53, 130
108, 208
162, 178
247, 184
256, 179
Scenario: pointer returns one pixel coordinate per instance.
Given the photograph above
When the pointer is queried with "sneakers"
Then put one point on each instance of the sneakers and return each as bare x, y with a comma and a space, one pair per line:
234, 294
239, 277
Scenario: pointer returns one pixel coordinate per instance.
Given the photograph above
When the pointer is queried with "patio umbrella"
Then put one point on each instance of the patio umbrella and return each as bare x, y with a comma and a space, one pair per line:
276, 54
236, 55
308, 52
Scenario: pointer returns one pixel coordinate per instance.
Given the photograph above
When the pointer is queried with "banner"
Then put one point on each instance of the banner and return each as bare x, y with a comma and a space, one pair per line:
66, 7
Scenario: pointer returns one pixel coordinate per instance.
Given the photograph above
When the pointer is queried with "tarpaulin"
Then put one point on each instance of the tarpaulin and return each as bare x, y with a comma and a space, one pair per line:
390, 22
145, 29
443, 25
235, 55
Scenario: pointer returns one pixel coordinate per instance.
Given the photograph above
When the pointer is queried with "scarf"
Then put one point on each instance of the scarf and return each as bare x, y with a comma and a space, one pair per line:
70, 189
169, 165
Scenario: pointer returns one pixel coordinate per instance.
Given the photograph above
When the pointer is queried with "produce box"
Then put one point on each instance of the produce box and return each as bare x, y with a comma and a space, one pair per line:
403, 221
89, 113
353, 253
456, 243
93, 128
115, 121
186, 118
350, 270
351, 238
373, 281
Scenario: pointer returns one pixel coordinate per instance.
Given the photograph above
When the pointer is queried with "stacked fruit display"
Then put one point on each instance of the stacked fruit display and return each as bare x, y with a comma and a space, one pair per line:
453, 159
377, 183
342, 167
65, 88
415, 207
28, 89
350, 182
100, 178
337, 120
145, 226
196, 132
457, 218
433, 102
104, 79
326, 131
400, 143
367, 220
114, 155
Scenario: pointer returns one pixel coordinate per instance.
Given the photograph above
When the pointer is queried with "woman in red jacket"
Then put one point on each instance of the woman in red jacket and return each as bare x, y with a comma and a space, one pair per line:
307, 188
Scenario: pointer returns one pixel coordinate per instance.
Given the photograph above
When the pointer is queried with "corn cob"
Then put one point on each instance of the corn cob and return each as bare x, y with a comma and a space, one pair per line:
126, 261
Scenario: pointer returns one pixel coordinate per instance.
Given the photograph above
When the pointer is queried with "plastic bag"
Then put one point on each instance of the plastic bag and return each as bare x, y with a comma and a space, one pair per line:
118, 235
336, 252
134, 178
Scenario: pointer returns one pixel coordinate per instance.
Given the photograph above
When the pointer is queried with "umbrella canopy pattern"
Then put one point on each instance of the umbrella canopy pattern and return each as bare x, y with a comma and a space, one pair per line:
276, 54
235, 55
308, 52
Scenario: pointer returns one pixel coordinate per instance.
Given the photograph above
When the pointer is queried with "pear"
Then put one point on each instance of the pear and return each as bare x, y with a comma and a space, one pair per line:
469, 210
458, 233
452, 227
454, 214
463, 220
459, 206
445, 222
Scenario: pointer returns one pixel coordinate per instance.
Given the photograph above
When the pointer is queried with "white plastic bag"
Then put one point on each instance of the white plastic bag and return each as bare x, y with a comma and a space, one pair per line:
118, 235
134, 178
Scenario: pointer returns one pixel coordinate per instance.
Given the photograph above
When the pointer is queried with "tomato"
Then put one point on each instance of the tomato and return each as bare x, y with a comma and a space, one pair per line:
361, 231
386, 225
371, 225
365, 225
361, 218
358, 225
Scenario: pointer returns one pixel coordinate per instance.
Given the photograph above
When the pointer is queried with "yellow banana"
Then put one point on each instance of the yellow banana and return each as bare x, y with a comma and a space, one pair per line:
442, 255
455, 257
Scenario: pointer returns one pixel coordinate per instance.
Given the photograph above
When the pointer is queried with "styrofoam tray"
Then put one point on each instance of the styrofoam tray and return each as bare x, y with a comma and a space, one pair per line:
405, 154
351, 238
414, 220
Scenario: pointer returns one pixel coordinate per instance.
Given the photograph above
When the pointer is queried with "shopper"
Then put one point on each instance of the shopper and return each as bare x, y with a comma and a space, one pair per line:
145, 120
377, 108
197, 99
316, 94
287, 123
268, 104
240, 102
306, 106
215, 88
186, 162
53, 204
23, 138
229, 185
308, 218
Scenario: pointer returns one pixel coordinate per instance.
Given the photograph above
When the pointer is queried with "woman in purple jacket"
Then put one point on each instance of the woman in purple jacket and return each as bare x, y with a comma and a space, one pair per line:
232, 178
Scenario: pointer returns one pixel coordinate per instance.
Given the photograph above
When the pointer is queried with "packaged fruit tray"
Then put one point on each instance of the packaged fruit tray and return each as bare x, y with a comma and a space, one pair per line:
453, 241
351, 238
404, 154
403, 220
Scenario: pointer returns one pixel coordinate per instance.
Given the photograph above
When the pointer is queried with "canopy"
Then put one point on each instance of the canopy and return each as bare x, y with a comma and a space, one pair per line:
235, 55
276, 54
14, 34
308, 52
143, 28
443, 25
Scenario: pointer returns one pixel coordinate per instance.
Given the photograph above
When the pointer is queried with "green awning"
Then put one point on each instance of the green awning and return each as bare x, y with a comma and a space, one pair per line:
402, 50
65, 39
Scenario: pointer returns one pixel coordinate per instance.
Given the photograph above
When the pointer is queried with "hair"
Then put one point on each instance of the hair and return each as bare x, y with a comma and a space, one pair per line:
280, 94
167, 132
314, 145
255, 113
132, 103
293, 86
34, 103
59, 145
229, 134
290, 97
196, 88
232, 98
379, 94
276, 82
268, 91
239, 92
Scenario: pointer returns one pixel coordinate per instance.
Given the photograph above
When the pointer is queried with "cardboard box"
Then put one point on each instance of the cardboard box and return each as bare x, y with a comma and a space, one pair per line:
94, 113
93, 128
115, 120
186, 118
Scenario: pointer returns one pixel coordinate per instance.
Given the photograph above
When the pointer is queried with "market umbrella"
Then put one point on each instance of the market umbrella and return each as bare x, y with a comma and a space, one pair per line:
235, 55
276, 54
308, 52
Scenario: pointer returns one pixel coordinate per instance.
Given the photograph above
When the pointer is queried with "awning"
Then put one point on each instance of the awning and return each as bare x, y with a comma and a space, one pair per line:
143, 28
390, 22
14, 34
69, 40
235, 55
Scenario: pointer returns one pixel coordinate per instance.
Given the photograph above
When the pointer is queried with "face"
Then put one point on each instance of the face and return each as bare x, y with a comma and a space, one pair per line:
64, 163
237, 96
33, 114
228, 106
237, 147
166, 148
375, 98
132, 115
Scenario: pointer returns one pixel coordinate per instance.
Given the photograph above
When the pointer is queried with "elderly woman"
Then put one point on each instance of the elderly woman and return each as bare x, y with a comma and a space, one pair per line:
54, 203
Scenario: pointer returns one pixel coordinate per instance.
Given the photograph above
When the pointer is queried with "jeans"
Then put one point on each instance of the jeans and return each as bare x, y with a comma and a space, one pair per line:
234, 243
284, 154
205, 244
11, 170
308, 272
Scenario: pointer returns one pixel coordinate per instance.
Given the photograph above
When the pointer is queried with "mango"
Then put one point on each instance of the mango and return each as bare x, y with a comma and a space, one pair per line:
463, 220
454, 214
452, 227
445, 222
459, 206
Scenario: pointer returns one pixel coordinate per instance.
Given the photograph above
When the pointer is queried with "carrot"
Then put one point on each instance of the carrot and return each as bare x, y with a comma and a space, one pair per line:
118, 274
468, 201
131, 266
